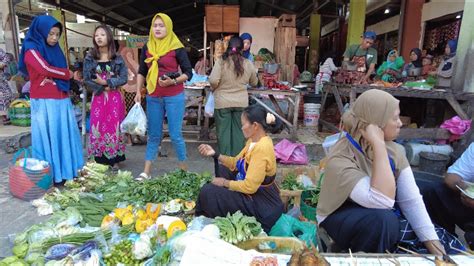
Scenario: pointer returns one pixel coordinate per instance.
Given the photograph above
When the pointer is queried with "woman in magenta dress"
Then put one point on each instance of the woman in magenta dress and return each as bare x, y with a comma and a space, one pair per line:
104, 72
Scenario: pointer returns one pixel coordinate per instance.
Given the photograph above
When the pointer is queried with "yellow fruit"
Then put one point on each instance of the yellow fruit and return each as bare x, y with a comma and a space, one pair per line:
153, 210
142, 225
174, 227
120, 212
189, 205
141, 214
128, 219
107, 221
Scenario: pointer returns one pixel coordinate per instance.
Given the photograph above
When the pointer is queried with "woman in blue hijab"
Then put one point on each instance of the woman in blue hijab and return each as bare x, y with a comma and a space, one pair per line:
54, 132
247, 38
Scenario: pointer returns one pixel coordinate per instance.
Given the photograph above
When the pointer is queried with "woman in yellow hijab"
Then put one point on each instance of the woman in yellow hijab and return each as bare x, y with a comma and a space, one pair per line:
161, 59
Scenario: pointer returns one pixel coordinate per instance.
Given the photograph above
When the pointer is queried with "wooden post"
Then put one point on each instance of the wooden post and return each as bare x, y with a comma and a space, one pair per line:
412, 27
285, 51
314, 37
205, 43
356, 21
463, 79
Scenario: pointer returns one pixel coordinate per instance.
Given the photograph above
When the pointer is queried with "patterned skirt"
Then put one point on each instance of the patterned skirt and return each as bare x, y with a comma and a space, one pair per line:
106, 142
6, 97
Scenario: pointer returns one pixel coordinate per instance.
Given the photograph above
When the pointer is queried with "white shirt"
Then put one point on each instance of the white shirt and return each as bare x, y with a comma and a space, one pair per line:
328, 67
464, 166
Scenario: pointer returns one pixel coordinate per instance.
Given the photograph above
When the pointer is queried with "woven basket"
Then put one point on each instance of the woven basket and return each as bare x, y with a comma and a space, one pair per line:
20, 116
284, 245
28, 184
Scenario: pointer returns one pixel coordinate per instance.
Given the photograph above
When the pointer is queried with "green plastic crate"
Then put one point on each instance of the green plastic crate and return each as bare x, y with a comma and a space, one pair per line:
20, 116
308, 212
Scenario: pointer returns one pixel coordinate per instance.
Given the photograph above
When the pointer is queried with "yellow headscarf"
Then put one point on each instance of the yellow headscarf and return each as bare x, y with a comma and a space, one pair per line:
159, 47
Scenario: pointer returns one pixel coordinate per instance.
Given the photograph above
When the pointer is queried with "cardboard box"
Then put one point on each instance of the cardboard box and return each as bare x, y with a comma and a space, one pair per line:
231, 17
311, 171
213, 18
222, 18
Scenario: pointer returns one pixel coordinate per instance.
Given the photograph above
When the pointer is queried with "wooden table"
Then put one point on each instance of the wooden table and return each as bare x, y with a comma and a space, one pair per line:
351, 91
195, 97
291, 118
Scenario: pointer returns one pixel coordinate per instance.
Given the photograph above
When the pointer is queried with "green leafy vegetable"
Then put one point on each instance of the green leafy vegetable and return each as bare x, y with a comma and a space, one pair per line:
291, 183
238, 227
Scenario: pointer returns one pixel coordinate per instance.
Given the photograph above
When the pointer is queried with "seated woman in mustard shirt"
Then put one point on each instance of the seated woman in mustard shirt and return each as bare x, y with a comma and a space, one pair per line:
246, 182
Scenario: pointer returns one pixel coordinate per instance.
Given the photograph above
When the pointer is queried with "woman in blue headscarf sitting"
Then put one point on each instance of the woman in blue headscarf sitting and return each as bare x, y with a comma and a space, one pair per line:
247, 38
445, 69
54, 133
391, 70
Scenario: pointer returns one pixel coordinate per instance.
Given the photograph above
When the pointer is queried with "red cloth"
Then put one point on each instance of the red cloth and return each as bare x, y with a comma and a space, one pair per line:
166, 64
41, 77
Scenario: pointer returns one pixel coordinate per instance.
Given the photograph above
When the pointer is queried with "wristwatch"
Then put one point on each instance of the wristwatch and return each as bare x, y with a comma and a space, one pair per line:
175, 82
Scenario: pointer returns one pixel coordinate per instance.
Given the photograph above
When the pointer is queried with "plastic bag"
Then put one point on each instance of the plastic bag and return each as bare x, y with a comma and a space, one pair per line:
209, 107
100, 238
288, 152
135, 122
288, 226
457, 127
198, 223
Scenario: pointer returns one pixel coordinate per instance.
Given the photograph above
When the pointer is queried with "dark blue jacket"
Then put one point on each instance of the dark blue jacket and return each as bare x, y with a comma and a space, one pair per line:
118, 67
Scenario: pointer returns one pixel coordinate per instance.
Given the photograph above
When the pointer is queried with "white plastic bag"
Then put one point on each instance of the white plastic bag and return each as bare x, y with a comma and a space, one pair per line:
209, 107
135, 122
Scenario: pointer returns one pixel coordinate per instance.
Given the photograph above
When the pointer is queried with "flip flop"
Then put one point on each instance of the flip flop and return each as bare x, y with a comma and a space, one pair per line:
143, 176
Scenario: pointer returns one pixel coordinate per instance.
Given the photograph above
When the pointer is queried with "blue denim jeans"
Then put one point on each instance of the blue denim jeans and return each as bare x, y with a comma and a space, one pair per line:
155, 112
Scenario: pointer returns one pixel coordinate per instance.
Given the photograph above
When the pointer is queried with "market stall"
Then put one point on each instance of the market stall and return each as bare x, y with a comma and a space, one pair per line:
196, 97
293, 97
351, 91
106, 218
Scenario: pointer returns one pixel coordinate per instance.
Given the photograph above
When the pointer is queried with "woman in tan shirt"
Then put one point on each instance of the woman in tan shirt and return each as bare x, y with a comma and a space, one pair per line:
229, 79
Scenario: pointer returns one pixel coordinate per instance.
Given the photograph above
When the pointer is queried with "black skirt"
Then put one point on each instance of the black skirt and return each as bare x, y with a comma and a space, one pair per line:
111, 161
265, 204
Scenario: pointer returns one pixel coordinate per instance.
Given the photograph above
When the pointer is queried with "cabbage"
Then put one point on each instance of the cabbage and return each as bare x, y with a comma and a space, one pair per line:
37, 234
21, 238
20, 250
35, 258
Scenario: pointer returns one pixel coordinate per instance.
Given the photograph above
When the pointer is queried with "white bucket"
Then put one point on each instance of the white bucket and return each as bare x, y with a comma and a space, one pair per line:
311, 114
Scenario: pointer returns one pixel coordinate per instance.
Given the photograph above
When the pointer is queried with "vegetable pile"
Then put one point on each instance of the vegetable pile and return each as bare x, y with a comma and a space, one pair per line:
175, 185
290, 182
121, 253
238, 227
102, 218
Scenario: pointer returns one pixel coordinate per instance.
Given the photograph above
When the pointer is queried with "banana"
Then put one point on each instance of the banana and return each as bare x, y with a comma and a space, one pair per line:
20, 103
